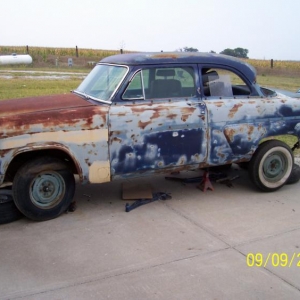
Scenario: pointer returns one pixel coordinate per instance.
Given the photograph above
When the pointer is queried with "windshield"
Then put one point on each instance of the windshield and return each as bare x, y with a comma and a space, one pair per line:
102, 82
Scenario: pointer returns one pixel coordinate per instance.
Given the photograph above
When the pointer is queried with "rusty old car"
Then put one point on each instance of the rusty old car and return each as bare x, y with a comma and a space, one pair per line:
143, 114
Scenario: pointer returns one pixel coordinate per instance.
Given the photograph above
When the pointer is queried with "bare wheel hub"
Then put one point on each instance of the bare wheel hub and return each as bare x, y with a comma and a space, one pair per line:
47, 189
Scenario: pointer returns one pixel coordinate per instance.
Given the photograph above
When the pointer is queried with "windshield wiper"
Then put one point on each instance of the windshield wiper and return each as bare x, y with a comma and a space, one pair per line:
88, 97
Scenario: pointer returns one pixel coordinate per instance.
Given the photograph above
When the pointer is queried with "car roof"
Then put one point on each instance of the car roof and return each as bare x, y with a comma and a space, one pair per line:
151, 58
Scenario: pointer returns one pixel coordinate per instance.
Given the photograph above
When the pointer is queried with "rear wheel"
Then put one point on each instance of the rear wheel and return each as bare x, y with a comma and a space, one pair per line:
43, 188
271, 165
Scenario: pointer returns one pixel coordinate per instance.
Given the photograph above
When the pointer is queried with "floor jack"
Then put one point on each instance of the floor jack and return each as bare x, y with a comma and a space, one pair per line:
156, 196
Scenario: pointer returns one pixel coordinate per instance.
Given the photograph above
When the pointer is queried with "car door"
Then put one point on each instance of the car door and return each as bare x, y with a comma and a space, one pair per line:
157, 122
236, 114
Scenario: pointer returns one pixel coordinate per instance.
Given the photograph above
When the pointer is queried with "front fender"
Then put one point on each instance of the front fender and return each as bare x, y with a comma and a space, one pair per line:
88, 149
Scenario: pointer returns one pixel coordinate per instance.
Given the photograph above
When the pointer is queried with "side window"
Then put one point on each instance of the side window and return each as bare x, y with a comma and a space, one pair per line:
136, 88
223, 83
172, 83
158, 83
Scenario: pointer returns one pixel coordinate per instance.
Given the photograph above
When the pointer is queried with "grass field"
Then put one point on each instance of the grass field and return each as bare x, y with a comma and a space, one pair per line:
22, 87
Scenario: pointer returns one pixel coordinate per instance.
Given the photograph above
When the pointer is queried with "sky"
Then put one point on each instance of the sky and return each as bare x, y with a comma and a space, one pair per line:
269, 29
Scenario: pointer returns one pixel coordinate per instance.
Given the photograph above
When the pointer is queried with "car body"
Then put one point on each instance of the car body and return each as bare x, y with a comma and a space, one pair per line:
144, 114
288, 93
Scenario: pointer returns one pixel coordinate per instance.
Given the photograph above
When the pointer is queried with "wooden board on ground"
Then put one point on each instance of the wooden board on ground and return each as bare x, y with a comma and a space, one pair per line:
133, 191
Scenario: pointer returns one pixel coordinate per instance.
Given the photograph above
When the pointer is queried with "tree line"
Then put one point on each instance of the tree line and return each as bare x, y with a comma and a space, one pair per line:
237, 52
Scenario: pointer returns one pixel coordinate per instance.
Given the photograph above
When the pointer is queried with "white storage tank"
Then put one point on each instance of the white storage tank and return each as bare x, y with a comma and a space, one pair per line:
15, 59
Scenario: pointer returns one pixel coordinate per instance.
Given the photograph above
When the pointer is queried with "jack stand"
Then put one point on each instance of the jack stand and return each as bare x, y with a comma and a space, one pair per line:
205, 184
155, 197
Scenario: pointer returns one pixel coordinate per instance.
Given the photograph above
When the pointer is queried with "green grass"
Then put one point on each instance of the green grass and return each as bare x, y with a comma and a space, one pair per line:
21, 87
281, 82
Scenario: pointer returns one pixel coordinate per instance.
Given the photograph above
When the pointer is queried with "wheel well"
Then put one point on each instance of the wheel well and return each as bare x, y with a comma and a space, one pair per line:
21, 158
289, 139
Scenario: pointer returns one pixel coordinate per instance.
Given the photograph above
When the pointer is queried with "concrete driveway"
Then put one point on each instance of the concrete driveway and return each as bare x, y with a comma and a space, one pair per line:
193, 246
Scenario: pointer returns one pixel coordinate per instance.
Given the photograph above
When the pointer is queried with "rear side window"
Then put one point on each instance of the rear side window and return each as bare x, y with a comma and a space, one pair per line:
223, 83
158, 83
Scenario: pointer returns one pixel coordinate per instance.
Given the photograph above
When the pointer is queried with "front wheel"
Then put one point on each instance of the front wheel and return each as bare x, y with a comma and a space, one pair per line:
43, 188
271, 165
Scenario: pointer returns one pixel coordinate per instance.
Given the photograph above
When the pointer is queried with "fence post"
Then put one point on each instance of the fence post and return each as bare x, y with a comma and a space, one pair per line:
76, 51
27, 49
272, 63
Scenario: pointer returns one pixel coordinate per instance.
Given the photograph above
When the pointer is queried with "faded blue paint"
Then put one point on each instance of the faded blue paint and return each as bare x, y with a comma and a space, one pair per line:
156, 136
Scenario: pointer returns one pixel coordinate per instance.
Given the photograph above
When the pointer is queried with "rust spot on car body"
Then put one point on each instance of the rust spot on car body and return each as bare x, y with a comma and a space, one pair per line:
143, 125
250, 130
218, 104
186, 112
118, 140
234, 110
165, 55
229, 133
171, 116
43, 103
50, 114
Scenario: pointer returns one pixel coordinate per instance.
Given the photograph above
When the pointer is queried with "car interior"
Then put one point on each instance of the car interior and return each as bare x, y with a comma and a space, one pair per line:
226, 84
166, 86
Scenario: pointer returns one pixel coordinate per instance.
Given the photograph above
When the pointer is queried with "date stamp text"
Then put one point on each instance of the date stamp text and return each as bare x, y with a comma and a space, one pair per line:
273, 259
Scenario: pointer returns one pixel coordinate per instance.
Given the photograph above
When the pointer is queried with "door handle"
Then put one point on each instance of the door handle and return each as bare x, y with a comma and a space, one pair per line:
194, 102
